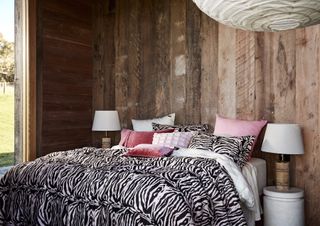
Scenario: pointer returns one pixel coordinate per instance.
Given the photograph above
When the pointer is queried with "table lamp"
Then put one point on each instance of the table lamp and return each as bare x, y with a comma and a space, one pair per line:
283, 139
106, 121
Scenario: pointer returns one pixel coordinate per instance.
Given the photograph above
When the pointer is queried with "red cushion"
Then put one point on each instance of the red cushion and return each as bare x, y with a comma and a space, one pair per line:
130, 138
149, 150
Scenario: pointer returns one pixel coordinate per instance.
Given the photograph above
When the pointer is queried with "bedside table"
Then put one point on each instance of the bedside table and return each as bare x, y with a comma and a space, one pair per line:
283, 208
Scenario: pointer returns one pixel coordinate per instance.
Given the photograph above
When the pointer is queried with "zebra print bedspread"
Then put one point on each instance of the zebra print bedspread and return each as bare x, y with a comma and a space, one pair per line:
92, 186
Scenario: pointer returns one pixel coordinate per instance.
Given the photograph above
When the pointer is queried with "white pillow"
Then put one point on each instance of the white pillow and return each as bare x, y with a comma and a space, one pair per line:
118, 147
146, 125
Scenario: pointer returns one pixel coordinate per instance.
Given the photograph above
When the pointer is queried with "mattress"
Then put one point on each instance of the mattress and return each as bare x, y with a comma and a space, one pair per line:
261, 168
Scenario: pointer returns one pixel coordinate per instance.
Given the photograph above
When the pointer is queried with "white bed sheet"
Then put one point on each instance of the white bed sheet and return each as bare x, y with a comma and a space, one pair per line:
261, 167
255, 172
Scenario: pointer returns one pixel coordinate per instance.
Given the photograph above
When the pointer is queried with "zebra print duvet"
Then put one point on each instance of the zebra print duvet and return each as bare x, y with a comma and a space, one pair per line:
92, 186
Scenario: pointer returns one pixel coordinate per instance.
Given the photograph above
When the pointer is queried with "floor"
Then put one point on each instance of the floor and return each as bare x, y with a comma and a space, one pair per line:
3, 170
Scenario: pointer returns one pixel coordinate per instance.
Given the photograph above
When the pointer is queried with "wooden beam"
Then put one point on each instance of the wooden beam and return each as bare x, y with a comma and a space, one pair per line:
32, 83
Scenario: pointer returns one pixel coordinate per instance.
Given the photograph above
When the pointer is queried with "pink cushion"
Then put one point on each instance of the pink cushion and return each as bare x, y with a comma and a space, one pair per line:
149, 150
235, 127
131, 138
176, 139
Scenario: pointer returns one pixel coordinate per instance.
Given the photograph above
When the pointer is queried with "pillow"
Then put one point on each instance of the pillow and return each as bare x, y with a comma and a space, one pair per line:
235, 127
149, 150
182, 128
131, 138
146, 125
203, 142
176, 139
236, 148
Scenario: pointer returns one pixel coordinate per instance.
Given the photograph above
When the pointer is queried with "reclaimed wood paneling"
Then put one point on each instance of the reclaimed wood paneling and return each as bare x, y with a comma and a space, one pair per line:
64, 75
226, 71
170, 57
121, 60
245, 74
193, 73
103, 70
307, 166
178, 64
209, 69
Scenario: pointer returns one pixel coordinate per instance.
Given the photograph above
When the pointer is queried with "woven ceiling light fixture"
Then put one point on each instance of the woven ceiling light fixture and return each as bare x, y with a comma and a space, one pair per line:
263, 15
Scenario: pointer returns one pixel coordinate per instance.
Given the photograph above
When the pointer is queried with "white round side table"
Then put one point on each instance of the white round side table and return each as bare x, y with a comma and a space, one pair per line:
283, 208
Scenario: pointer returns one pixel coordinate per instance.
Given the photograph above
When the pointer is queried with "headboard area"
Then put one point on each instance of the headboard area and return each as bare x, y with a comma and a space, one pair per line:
152, 58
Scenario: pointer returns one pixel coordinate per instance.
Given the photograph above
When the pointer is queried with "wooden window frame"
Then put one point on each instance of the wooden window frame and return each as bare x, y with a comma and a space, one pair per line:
25, 81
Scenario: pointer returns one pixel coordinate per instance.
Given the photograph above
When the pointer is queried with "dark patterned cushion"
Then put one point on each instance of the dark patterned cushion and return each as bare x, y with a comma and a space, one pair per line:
203, 142
182, 128
236, 148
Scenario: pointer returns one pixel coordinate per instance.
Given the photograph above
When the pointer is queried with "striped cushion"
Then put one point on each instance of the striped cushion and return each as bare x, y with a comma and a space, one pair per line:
176, 139
236, 148
203, 142
182, 128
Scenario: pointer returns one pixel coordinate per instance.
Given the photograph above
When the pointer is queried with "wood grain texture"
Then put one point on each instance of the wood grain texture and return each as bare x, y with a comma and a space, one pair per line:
193, 73
103, 70
307, 172
147, 90
135, 59
245, 72
170, 57
18, 82
178, 56
209, 69
64, 75
227, 71
121, 61
162, 59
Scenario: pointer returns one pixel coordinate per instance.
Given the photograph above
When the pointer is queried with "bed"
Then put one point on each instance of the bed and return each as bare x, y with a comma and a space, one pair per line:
91, 186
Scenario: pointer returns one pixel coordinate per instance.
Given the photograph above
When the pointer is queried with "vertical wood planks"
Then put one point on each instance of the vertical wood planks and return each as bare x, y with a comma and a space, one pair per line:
284, 75
103, 62
162, 56
259, 76
178, 59
227, 71
121, 61
193, 73
209, 69
134, 58
307, 172
149, 75
245, 74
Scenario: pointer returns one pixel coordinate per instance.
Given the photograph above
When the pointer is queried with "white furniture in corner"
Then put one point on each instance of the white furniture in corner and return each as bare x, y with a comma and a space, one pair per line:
283, 208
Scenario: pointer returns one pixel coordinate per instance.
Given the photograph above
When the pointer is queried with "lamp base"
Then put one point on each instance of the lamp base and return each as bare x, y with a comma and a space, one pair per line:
106, 142
282, 176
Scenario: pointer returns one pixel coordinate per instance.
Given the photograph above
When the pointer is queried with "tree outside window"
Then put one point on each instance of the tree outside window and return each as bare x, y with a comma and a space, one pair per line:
6, 60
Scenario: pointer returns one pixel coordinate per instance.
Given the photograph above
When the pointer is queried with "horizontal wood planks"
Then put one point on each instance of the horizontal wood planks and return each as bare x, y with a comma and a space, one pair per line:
64, 61
170, 57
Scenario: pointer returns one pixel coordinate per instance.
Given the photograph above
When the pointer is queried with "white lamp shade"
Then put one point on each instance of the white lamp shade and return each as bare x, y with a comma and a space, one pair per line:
283, 139
106, 121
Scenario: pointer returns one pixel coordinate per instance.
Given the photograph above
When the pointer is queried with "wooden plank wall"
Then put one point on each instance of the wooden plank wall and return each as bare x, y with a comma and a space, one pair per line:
166, 56
64, 71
